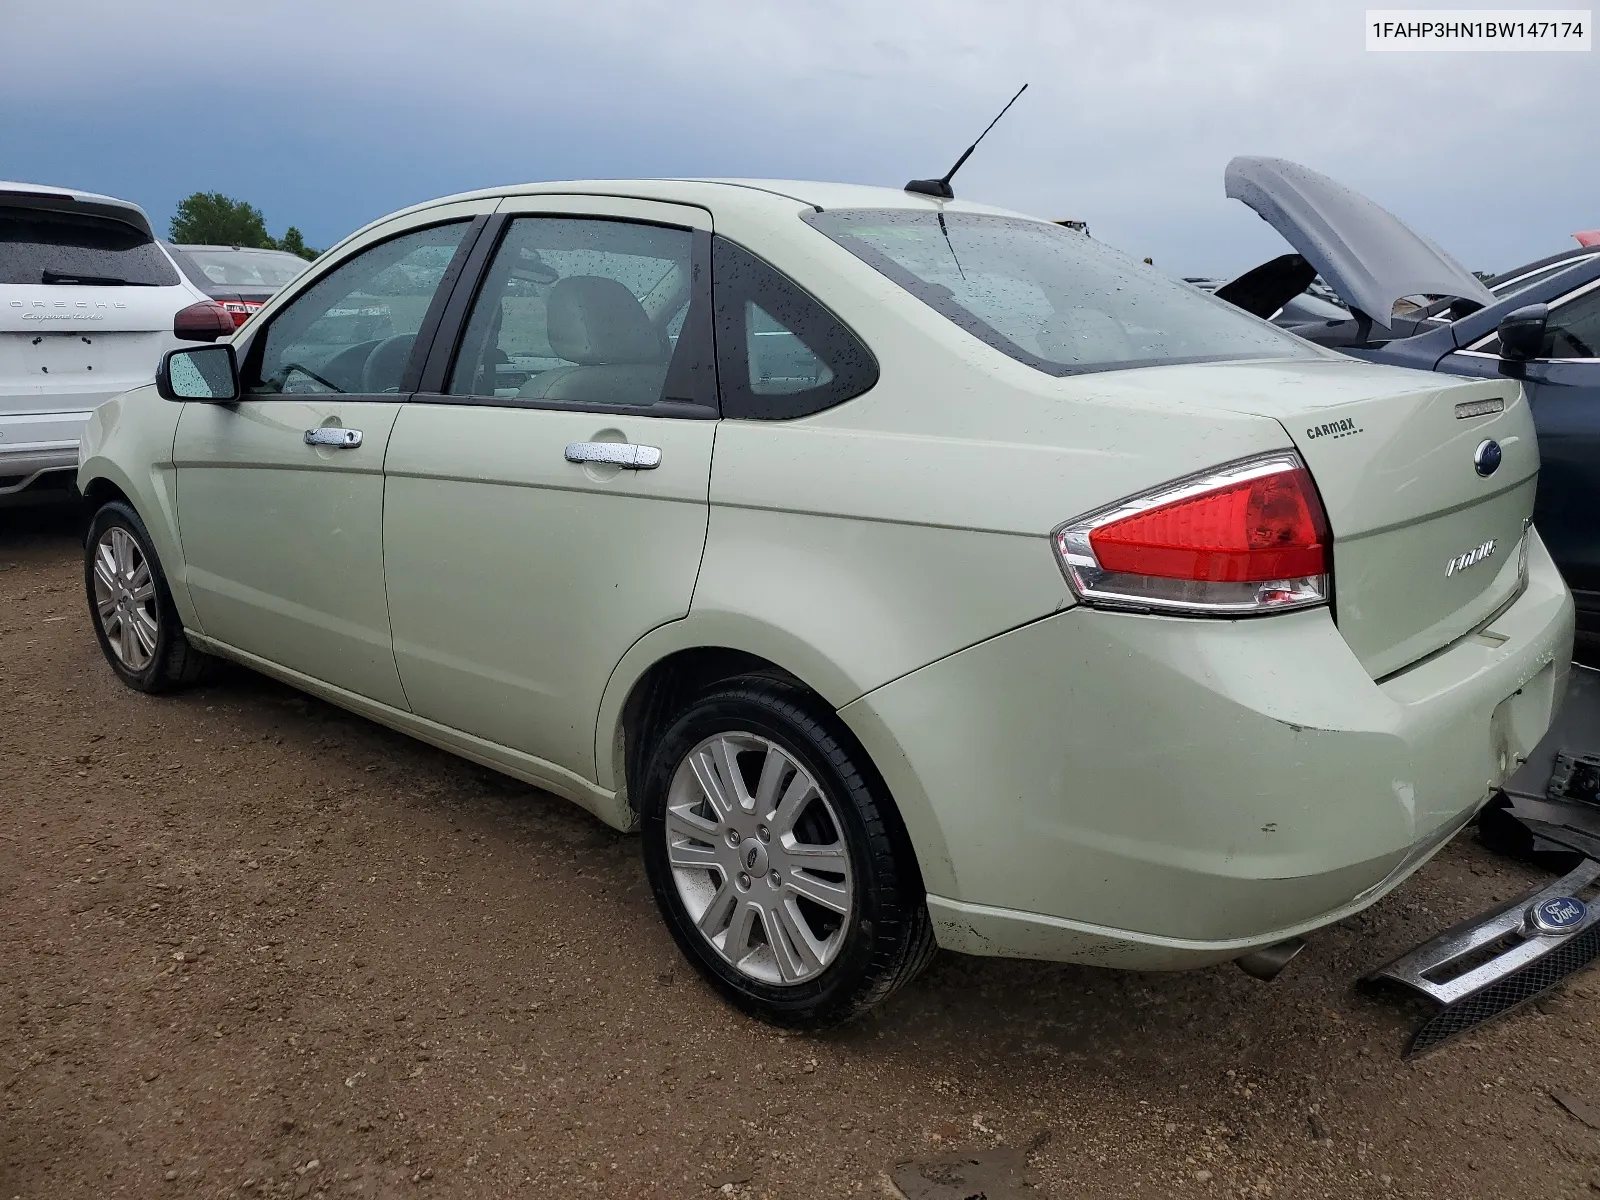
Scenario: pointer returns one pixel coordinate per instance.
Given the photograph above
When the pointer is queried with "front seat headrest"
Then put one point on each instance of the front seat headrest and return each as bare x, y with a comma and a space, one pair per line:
595, 321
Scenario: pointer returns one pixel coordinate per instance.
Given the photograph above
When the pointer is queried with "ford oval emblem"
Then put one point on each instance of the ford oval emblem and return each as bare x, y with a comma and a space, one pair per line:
1486, 458
1559, 914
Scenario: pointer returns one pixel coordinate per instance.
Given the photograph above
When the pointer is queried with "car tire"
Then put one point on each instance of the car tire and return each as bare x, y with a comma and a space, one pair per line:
818, 904
131, 606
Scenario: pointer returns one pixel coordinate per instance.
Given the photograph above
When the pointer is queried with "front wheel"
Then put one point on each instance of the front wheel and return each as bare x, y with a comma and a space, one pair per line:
139, 631
777, 860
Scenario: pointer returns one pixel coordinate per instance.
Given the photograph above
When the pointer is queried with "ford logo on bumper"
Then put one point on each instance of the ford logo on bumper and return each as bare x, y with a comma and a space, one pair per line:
1486, 458
1559, 914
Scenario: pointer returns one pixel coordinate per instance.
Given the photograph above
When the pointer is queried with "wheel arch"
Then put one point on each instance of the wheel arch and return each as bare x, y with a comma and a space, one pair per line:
673, 662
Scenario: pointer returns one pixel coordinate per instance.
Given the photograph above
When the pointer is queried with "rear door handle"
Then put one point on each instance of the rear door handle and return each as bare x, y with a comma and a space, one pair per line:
333, 435
618, 454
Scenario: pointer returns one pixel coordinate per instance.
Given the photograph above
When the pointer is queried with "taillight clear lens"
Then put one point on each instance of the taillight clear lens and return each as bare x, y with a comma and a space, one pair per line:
240, 310
1249, 537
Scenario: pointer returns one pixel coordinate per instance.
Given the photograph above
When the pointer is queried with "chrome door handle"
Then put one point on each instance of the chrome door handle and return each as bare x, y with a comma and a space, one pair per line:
333, 435
618, 454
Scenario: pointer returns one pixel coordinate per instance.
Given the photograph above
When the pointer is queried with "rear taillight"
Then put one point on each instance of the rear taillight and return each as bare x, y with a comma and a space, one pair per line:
1248, 537
203, 322
240, 310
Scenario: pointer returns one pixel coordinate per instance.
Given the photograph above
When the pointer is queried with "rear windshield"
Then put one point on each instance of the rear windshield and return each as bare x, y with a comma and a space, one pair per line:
41, 246
269, 269
1050, 297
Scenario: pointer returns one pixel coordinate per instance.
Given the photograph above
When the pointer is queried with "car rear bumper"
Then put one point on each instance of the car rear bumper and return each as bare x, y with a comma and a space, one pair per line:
34, 444
1157, 792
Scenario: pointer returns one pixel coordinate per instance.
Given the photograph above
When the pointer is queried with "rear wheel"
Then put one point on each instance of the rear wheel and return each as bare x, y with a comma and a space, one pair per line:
777, 860
138, 628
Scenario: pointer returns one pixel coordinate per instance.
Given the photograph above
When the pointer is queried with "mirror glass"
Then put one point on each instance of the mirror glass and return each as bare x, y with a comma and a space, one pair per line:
205, 373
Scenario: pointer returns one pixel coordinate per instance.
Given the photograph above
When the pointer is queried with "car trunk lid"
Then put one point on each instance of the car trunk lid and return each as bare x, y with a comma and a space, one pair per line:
66, 347
1425, 547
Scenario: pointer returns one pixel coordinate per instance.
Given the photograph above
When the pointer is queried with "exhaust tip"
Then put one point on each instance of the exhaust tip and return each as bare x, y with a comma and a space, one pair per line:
1265, 963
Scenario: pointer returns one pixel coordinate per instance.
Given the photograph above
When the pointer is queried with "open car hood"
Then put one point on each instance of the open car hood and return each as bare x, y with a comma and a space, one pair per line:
1366, 254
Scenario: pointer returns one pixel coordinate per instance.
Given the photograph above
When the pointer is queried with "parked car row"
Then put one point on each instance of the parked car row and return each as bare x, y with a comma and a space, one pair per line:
953, 579
88, 301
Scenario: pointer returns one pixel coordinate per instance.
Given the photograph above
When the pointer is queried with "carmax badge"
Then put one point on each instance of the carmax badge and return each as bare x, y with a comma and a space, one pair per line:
1470, 559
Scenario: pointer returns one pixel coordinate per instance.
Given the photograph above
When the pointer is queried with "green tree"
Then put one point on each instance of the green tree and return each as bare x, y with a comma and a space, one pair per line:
295, 243
210, 218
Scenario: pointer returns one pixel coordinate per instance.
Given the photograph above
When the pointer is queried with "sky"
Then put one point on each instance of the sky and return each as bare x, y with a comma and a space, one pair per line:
327, 114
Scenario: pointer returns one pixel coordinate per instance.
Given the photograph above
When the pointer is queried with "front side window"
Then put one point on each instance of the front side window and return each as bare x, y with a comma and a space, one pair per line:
48, 247
582, 312
1049, 297
353, 329
1574, 328
1572, 331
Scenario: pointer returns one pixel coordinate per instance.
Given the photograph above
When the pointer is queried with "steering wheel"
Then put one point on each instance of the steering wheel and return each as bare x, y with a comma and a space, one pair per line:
387, 363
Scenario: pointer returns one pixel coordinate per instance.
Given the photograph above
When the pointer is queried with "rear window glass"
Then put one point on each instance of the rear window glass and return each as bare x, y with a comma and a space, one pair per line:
269, 269
1050, 297
41, 246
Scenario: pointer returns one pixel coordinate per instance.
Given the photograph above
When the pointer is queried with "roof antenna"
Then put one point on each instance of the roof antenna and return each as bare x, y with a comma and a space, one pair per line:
941, 187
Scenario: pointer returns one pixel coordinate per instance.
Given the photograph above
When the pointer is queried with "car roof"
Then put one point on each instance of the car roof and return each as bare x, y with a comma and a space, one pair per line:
59, 199
726, 195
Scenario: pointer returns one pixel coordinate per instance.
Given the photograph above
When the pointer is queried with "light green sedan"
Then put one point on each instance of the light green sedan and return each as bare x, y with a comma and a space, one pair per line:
908, 572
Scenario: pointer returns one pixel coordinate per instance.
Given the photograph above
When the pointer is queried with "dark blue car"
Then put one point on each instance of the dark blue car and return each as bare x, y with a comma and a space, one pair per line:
1539, 323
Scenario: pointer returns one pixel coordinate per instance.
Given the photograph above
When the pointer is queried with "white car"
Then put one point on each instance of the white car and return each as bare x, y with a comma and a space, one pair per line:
87, 307
905, 570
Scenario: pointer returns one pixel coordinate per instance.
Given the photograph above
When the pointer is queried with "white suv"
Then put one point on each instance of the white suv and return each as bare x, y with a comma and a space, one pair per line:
87, 306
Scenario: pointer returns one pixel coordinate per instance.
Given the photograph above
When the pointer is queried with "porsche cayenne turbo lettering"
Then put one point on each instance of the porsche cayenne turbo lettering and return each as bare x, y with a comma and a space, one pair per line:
908, 572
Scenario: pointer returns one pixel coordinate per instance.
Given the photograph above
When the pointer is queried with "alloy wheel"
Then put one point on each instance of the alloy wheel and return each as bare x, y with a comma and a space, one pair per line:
758, 856
125, 598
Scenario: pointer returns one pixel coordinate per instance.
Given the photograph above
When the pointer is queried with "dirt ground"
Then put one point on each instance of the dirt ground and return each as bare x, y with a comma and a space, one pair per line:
256, 946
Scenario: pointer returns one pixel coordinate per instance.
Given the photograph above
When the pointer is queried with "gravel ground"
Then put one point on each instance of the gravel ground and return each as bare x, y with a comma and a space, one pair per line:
260, 947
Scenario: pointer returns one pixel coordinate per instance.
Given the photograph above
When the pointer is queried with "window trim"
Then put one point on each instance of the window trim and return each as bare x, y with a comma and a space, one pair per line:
448, 339
733, 365
1476, 348
251, 350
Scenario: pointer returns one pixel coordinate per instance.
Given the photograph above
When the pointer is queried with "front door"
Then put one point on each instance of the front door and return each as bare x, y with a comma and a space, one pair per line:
280, 496
547, 504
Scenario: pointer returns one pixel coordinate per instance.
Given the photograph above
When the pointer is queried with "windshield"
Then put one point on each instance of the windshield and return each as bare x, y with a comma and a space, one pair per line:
1049, 297
43, 246
246, 268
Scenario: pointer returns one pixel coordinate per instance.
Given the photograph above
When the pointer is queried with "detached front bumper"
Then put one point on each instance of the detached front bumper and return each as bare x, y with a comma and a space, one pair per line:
1155, 793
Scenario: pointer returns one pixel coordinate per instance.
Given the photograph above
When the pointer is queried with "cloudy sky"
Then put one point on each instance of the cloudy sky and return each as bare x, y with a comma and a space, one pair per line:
328, 113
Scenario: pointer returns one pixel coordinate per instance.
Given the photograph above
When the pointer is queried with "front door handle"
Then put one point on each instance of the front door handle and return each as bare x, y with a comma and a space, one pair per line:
333, 435
618, 454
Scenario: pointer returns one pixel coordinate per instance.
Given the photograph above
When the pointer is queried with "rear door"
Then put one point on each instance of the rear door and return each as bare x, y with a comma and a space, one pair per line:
546, 499
280, 496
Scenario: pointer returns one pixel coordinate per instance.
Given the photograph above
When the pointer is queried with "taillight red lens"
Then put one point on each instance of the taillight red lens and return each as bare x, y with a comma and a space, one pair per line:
202, 322
1245, 538
1255, 530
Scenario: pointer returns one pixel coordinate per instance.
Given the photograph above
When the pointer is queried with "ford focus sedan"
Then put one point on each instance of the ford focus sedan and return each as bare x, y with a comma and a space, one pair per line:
909, 573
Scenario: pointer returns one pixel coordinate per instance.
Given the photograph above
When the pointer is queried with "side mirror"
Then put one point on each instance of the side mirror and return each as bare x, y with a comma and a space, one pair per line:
1522, 332
204, 373
203, 322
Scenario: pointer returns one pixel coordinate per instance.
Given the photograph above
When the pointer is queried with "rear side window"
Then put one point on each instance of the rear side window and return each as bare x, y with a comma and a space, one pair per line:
1049, 297
780, 354
42, 246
